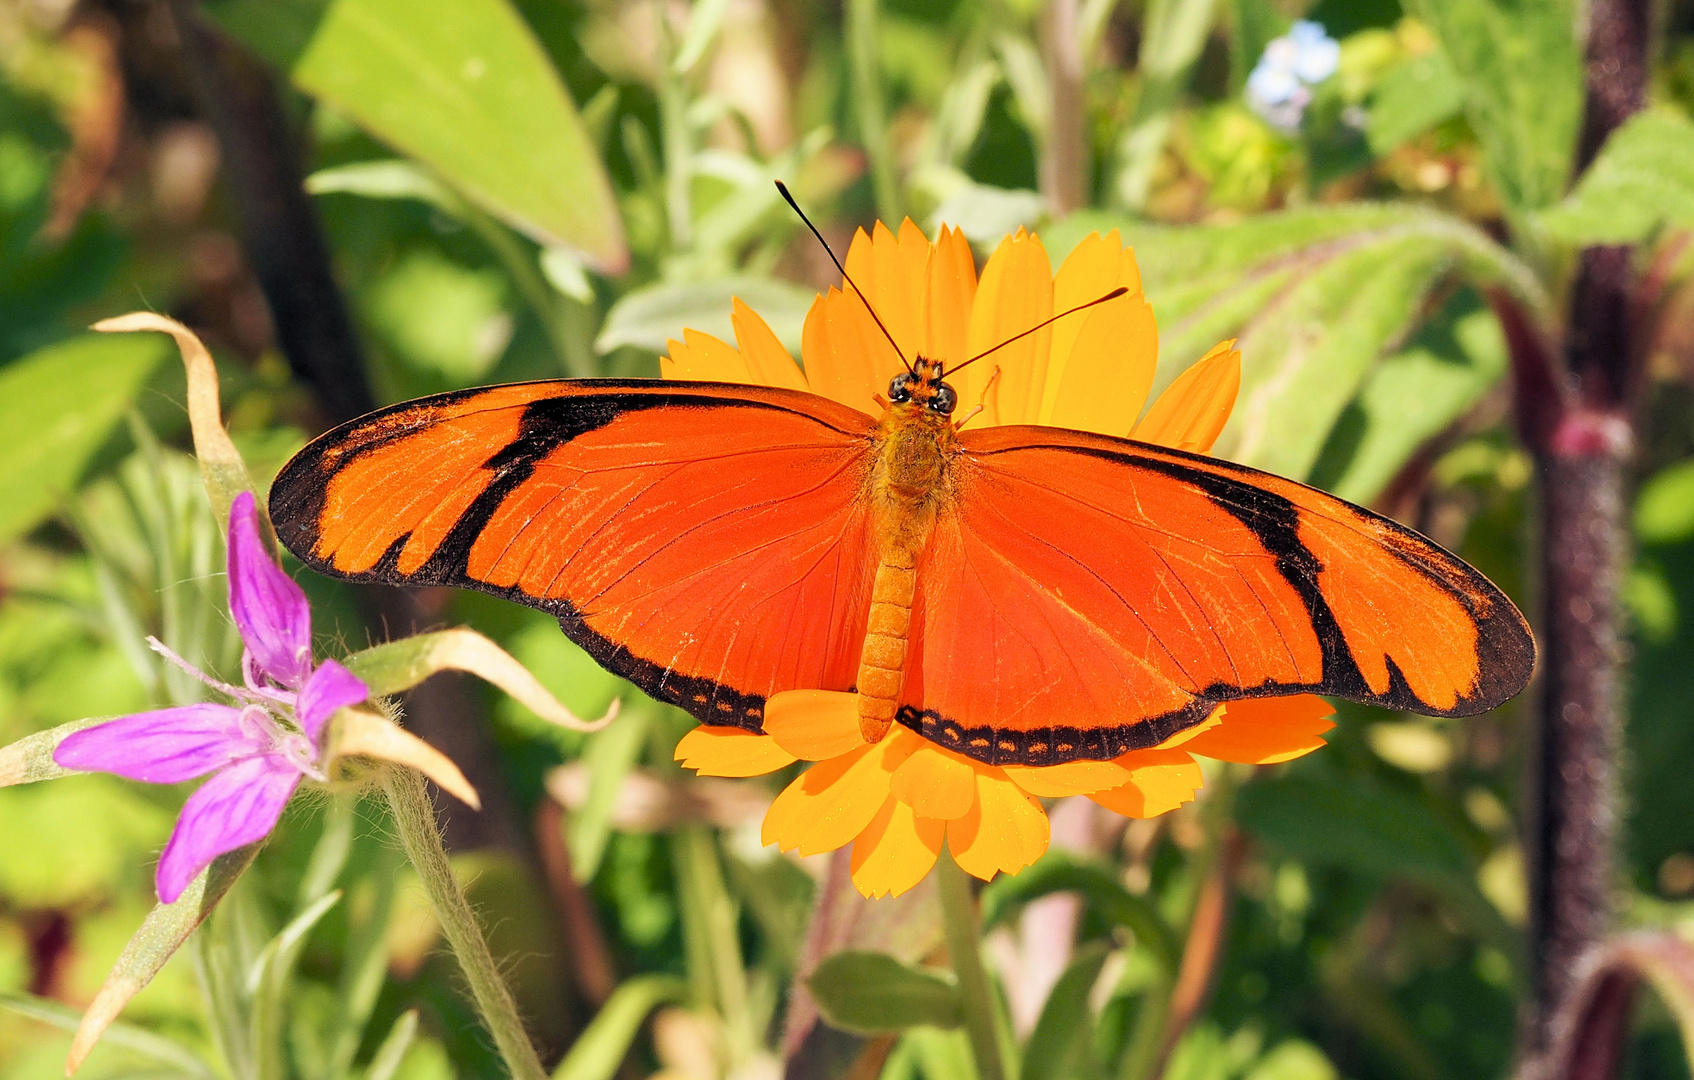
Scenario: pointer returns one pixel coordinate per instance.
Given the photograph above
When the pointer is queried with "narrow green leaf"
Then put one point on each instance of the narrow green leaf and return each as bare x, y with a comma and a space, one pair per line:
1643, 177
57, 406
1062, 1040
387, 179
872, 993
464, 86
386, 1061
1521, 76
646, 318
1063, 871
602, 1047
31, 757
138, 1040
161, 934
268, 979
610, 755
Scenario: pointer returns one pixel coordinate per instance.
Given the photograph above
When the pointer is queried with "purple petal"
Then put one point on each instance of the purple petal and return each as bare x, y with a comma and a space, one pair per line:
236, 807
328, 688
269, 608
166, 746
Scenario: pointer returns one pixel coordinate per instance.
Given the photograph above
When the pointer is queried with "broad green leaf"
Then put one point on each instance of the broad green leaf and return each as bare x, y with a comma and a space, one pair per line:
1353, 824
1643, 176
1316, 298
599, 1051
1521, 76
871, 993
646, 318
137, 1040
1412, 98
57, 406
1061, 1043
278, 30
1664, 511
1098, 882
108, 824
1408, 398
464, 86
162, 933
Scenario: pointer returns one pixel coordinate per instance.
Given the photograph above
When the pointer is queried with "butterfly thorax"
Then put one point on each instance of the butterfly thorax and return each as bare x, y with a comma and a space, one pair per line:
911, 485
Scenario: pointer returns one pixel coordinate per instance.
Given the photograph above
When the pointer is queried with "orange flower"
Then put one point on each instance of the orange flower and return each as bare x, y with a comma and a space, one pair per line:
898, 799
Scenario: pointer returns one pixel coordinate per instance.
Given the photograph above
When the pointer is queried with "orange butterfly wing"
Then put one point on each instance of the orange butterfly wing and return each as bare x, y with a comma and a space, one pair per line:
709, 543
1087, 596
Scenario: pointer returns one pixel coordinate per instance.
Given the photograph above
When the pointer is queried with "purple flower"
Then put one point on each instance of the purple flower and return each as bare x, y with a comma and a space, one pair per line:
258, 748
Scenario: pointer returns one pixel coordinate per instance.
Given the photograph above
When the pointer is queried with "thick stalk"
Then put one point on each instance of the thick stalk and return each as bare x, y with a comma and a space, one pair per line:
964, 946
1064, 152
414, 820
1579, 424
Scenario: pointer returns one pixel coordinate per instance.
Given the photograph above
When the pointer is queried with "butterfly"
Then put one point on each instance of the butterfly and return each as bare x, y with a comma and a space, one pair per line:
1020, 594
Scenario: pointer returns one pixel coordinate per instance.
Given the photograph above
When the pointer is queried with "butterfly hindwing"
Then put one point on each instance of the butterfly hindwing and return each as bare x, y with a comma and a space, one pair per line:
1088, 596
708, 542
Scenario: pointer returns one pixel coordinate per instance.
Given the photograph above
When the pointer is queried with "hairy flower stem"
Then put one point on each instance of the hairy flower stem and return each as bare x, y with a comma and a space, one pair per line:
1578, 421
964, 945
414, 820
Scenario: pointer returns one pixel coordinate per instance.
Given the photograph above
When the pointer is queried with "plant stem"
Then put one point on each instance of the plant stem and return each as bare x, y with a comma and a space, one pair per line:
964, 945
1064, 153
867, 94
414, 820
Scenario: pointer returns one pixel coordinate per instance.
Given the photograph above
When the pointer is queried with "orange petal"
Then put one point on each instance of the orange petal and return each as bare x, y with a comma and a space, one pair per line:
1159, 781
1071, 778
1006, 831
704, 357
1194, 408
890, 269
727, 751
841, 360
895, 851
936, 783
1102, 360
833, 801
1265, 731
1189, 734
1016, 293
951, 289
814, 724
768, 363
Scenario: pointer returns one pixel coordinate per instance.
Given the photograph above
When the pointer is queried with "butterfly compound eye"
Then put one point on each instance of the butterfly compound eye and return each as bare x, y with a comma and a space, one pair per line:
944, 400
900, 388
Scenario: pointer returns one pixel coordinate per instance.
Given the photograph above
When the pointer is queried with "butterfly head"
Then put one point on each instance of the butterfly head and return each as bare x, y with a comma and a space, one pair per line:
922, 387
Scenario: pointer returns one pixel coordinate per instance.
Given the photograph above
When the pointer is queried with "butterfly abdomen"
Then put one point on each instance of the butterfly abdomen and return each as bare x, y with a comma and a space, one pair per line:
882, 663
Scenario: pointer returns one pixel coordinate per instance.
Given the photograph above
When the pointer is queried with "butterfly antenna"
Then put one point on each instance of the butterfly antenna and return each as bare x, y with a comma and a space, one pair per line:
780, 186
1113, 295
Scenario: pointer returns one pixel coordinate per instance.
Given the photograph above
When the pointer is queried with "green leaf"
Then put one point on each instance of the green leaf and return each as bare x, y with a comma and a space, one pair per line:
268, 980
1063, 871
137, 1040
386, 1061
1521, 76
1316, 297
1642, 178
646, 318
57, 406
1410, 397
1664, 511
464, 86
31, 758
390, 179
872, 993
1061, 1043
1353, 824
597, 1054
610, 756
162, 933
1412, 98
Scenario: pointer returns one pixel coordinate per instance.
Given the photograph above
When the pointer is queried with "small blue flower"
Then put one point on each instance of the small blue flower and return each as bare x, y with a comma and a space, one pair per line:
1279, 89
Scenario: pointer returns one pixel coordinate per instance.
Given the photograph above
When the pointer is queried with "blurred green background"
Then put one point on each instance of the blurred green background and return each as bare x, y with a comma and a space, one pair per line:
505, 190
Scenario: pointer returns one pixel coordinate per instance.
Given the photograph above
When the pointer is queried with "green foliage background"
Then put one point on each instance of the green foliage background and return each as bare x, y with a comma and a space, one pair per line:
517, 189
